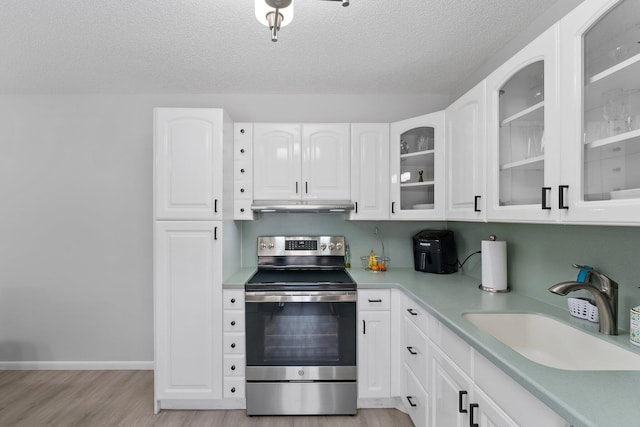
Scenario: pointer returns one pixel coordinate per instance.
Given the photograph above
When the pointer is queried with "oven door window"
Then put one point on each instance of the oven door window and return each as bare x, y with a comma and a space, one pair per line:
301, 333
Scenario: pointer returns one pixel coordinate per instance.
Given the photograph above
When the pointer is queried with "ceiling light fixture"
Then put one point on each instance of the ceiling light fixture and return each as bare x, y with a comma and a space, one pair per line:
274, 14
278, 13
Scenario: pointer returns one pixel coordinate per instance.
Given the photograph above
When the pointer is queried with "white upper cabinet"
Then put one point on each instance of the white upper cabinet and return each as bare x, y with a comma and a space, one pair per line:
188, 151
326, 161
293, 161
370, 171
523, 134
276, 161
417, 168
601, 106
466, 152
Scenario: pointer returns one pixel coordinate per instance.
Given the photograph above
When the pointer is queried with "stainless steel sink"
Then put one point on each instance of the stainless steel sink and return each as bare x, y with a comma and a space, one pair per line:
549, 342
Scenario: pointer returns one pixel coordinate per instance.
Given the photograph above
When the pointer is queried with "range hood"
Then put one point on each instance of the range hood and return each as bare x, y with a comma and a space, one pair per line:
315, 206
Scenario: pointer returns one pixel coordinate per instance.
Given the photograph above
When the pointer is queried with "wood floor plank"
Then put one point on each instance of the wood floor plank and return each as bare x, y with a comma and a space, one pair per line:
125, 399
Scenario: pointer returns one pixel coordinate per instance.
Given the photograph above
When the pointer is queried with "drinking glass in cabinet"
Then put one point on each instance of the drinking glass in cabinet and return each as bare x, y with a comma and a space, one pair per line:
416, 140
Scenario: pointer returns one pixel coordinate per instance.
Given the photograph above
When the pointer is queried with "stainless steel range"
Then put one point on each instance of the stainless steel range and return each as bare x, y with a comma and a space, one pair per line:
301, 328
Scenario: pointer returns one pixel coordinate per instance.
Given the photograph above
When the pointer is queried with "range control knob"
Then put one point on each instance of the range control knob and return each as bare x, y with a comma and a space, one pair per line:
323, 246
263, 245
271, 245
332, 246
338, 246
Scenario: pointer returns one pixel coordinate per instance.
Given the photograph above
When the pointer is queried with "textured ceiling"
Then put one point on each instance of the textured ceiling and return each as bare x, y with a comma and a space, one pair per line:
218, 46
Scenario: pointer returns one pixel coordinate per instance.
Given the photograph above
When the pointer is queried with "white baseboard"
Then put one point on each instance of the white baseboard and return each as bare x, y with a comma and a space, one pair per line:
75, 366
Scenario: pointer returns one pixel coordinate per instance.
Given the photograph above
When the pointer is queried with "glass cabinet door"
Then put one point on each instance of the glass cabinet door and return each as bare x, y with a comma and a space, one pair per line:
601, 112
611, 112
416, 168
523, 142
416, 165
521, 138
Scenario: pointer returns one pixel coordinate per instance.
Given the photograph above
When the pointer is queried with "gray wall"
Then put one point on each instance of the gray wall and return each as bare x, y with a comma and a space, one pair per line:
76, 212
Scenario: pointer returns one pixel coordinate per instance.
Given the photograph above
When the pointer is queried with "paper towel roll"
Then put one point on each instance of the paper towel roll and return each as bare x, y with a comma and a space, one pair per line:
494, 265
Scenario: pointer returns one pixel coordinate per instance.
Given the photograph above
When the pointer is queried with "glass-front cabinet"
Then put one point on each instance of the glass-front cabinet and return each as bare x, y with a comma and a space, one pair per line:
523, 136
602, 104
417, 168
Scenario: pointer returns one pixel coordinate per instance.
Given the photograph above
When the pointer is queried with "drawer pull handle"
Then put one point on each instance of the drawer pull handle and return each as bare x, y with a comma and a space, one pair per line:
242, 210
242, 150
375, 300
233, 345
233, 389
241, 130
472, 422
410, 349
233, 300
233, 367
413, 405
242, 170
411, 312
461, 409
233, 323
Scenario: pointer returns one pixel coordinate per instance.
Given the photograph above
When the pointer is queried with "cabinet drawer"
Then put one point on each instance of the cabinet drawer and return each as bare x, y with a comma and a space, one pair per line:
415, 351
234, 388
233, 343
233, 321
242, 209
233, 366
233, 299
416, 399
414, 312
369, 300
243, 190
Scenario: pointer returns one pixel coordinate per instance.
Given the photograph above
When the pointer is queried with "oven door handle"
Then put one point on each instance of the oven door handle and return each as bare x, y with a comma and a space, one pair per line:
316, 296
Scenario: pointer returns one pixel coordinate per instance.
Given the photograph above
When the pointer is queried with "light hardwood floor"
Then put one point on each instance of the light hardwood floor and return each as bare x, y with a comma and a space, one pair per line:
125, 398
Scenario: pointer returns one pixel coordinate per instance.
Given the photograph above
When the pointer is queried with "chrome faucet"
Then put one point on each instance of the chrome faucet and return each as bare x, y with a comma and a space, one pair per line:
606, 297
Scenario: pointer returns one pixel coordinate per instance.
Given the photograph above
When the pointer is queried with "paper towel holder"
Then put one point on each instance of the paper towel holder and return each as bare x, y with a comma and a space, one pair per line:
492, 238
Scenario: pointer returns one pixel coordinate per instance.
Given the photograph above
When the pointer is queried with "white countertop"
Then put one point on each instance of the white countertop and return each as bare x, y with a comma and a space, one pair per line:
583, 398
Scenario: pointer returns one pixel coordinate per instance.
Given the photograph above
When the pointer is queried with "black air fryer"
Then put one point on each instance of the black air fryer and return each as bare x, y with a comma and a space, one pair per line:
434, 251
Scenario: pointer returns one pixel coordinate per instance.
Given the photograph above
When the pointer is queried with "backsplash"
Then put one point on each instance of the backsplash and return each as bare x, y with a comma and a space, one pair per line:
539, 255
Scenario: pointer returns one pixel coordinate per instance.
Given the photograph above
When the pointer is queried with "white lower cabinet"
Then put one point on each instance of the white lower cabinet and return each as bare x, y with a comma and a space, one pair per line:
416, 399
445, 382
452, 390
188, 312
374, 344
233, 344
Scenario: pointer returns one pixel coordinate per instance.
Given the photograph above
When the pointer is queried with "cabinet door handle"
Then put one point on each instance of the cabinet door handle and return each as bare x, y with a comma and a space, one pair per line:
215, 233
410, 349
215, 205
472, 422
356, 207
461, 409
296, 187
393, 207
561, 189
375, 300
475, 203
411, 312
306, 187
413, 405
364, 327
545, 202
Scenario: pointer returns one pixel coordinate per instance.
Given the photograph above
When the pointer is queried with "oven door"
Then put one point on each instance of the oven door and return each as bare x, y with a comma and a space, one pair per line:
300, 335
